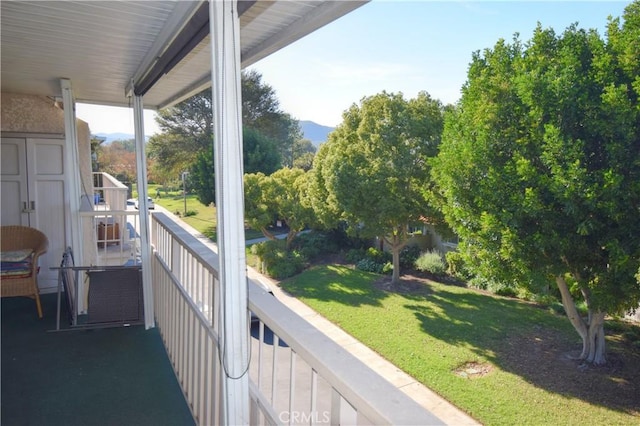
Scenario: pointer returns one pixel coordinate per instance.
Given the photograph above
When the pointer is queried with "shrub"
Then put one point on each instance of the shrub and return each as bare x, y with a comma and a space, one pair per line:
343, 241
456, 266
408, 256
355, 255
431, 261
190, 213
313, 244
378, 256
370, 265
629, 335
478, 282
505, 291
286, 266
370, 260
387, 268
277, 261
556, 308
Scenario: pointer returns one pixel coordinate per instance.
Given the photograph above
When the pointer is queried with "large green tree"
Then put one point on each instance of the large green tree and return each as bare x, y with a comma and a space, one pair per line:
373, 171
261, 111
187, 128
303, 153
539, 168
278, 196
186, 132
258, 155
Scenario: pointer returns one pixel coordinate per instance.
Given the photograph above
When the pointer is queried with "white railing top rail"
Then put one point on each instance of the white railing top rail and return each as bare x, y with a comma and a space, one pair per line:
109, 181
195, 247
369, 393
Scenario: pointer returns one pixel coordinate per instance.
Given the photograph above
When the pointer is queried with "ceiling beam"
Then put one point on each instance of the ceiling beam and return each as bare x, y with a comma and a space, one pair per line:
196, 29
168, 33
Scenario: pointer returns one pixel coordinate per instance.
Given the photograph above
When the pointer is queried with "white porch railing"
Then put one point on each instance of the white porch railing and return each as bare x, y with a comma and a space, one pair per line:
297, 374
110, 227
111, 192
111, 237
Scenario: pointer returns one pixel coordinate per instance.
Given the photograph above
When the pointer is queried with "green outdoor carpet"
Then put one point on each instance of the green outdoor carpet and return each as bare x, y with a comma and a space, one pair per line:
109, 376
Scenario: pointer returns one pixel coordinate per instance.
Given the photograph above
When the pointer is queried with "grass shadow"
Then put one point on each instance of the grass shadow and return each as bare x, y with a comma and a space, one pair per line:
335, 283
532, 343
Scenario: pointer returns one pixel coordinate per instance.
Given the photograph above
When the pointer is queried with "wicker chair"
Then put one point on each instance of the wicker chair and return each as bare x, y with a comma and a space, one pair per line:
17, 238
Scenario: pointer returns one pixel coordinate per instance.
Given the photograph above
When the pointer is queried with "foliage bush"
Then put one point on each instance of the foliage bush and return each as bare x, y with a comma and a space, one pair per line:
190, 213
456, 266
370, 265
370, 260
355, 255
499, 288
313, 244
278, 262
379, 256
408, 256
432, 262
478, 282
506, 291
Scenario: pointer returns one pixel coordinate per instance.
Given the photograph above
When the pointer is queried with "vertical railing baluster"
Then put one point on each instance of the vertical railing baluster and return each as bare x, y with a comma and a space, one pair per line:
274, 368
314, 405
335, 407
292, 383
260, 352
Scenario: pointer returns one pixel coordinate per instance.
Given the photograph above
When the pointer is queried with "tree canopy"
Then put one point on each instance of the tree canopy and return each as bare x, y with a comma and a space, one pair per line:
261, 111
258, 155
539, 168
276, 197
373, 172
117, 158
187, 129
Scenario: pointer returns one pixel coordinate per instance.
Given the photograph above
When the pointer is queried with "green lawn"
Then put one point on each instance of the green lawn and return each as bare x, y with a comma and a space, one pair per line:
501, 360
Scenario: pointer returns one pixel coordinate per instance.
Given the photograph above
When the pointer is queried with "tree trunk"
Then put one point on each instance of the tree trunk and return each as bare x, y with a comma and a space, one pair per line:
596, 354
591, 331
268, 234
396, 243
291, 235
395, 277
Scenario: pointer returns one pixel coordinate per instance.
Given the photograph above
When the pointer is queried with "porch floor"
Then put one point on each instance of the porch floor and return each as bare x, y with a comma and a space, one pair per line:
108, 376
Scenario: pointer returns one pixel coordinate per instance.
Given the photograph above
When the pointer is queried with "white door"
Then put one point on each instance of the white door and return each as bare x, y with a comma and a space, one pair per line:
33, 194
14, 182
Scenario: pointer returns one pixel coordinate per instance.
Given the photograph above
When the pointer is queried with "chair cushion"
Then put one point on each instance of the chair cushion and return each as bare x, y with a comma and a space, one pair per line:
16, 263
15, 255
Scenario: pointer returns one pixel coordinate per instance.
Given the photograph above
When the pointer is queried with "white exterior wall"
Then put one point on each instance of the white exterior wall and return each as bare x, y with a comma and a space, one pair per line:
39, 116
30, 114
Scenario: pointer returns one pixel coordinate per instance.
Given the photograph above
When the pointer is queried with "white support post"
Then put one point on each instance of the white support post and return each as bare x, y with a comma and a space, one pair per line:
72, 179
145, 241
227, 112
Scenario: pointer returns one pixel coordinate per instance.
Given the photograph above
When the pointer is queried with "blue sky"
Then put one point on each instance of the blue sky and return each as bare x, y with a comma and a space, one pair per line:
397, 46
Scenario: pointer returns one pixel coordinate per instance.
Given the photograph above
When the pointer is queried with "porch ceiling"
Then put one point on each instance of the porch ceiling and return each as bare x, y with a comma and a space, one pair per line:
101, 46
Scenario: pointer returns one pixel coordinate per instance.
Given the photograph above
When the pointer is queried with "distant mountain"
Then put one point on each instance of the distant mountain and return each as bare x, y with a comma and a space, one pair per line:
315, 132
110, 137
